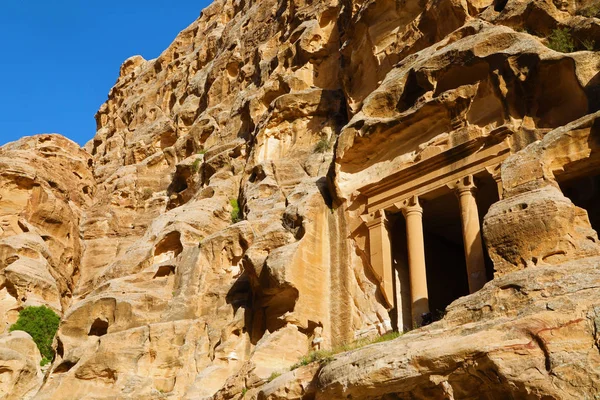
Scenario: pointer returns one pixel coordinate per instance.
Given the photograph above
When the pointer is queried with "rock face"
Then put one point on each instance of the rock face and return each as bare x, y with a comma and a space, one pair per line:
44, 185
20, 366
544, 226
530, 334
240, 205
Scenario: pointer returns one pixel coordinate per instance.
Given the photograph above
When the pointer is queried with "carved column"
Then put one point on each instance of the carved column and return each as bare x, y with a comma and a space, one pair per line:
465, 189
413, 213
381, 253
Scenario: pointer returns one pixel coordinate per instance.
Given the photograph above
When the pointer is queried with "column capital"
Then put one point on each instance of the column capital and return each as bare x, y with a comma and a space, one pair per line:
495, 171
465, 186
410, 206
374, 219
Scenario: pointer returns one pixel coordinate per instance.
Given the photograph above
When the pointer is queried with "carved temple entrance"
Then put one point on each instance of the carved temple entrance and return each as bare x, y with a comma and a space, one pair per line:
425, 240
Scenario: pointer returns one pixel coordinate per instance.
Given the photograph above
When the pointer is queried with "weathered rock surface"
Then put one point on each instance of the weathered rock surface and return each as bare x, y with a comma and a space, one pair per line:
45, 183
535, 224
20, 374
529, 334
287, 110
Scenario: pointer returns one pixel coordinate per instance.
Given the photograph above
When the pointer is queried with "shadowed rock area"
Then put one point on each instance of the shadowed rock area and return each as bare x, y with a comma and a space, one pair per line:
291, 176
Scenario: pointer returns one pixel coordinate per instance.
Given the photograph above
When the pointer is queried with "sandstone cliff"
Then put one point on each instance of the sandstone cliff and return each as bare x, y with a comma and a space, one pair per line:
305, 115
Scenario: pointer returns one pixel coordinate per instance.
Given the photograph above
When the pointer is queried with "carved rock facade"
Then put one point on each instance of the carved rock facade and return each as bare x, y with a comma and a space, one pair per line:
363, 142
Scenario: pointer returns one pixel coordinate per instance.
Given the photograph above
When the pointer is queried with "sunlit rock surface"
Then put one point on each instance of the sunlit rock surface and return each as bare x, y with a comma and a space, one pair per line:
291, 111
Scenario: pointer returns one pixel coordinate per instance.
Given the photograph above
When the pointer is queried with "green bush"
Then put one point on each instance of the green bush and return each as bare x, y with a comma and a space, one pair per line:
322, 145
273, 376
326, 356
41, 323
589, 44
235, 211
321, 356
196, 165
561, 40
591, 12
385, 337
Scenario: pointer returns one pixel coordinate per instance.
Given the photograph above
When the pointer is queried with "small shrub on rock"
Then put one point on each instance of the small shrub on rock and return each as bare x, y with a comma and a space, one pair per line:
196, 165
322, 145
589, 44
41, 323
561, 40
592, 11
273, 376
146, 193
326, 356
235, 211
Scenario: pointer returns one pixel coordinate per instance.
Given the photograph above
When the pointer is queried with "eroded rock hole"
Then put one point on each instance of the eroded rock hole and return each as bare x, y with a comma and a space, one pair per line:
233, 69
190, 148
24, 182
164, 270
63, 367
415, 87
265, 301
23, 227
167, 139
99, 327
499, 5
170, 245
258, 174
240, 294
60, 349
294, 223
10, 288
180, 179
97, 143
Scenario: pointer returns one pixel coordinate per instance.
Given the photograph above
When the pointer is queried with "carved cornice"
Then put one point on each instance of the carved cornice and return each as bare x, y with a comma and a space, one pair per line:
465, 159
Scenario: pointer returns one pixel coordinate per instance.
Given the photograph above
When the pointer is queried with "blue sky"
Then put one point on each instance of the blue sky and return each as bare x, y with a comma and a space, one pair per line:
60, 58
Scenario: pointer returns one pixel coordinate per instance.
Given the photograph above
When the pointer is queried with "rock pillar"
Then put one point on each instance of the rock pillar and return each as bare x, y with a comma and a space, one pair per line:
465, 190
413, 214
381, 254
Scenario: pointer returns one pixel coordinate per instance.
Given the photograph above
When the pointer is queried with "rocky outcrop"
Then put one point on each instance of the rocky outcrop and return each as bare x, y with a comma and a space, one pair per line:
219, 119
20, 372
536, 224
529, 334
45, 184
211, 233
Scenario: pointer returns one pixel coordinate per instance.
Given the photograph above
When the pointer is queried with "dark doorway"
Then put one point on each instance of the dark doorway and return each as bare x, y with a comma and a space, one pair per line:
397, 229
584, 192
444, 252
444, 258
487, 194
